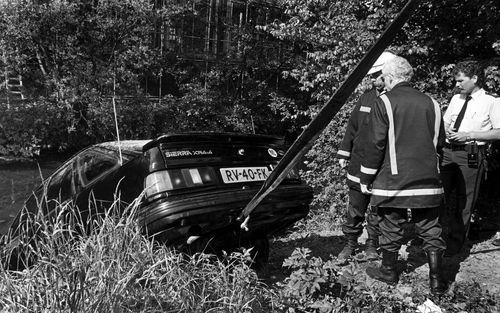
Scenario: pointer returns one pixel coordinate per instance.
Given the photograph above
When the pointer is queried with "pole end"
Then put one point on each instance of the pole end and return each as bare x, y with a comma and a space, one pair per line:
244, 225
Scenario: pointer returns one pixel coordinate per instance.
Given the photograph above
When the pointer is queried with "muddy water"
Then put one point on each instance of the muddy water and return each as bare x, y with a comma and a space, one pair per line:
17, 181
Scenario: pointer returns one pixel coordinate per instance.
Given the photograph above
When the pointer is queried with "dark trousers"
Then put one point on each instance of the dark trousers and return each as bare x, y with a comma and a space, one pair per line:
358, 207
465, 181
426, 222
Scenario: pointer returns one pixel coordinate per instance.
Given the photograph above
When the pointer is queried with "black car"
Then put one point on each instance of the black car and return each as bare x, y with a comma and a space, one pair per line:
192, 187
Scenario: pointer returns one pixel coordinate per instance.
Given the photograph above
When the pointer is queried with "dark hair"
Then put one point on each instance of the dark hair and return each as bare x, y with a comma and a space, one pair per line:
470, 68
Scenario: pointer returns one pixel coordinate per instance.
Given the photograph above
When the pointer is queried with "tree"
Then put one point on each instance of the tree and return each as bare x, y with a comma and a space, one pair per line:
78, 54
329, 37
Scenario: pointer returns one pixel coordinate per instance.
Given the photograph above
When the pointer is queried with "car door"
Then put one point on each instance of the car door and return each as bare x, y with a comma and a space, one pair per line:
96, 180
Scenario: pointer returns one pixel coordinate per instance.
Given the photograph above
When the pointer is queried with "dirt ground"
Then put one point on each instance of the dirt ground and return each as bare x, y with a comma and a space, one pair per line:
478, 262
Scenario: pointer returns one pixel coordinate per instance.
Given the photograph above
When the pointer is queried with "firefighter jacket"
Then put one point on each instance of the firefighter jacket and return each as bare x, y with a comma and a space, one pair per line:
351, 147
400, 152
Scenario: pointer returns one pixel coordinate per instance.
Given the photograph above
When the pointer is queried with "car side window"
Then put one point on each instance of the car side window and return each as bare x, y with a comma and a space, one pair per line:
94, 163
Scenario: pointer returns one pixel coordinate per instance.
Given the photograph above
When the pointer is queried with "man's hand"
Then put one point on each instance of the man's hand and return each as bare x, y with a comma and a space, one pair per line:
343, 163
365, 190
461, 137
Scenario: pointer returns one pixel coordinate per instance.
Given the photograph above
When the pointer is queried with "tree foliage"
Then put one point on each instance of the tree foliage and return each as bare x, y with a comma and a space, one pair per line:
329, 38
73, 48
78, 55
75, 55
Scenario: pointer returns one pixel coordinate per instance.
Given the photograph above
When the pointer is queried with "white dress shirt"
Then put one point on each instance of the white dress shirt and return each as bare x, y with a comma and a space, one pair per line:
482, 113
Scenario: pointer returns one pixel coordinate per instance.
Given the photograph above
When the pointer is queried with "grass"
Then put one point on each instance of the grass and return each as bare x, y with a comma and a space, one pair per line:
114, 268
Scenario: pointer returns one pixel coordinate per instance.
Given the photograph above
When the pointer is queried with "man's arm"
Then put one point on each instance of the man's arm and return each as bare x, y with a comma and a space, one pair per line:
492, 134
485, 135
345, 148
447, 116
374, 143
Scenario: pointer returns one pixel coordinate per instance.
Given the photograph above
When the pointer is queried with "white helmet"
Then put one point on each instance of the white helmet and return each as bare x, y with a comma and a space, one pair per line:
382, 59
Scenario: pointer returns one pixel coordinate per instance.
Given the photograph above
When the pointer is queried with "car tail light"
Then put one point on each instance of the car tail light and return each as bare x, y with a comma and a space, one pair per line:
173, 179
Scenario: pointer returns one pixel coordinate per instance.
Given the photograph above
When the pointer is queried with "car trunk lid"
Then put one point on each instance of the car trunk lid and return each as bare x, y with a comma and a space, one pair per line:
182, 163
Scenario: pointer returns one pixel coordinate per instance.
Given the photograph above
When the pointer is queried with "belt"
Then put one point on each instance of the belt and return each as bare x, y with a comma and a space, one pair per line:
460, 147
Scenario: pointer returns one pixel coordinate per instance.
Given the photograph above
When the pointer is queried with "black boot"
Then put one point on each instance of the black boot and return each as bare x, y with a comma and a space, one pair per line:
437, 284
417, 242
352, 243
387, 271
371, 249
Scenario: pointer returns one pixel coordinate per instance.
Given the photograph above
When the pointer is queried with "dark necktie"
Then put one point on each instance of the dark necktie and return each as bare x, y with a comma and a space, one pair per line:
460, 116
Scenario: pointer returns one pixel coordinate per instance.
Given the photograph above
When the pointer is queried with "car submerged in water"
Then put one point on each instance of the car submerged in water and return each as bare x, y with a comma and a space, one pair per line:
191, 188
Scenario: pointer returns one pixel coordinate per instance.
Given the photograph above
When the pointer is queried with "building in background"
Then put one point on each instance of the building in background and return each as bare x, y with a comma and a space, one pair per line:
215, 30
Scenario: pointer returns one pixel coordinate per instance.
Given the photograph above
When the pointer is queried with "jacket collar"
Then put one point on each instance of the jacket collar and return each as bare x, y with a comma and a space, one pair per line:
401, 84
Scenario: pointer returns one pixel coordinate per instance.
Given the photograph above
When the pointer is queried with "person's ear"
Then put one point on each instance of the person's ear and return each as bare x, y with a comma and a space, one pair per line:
474, 78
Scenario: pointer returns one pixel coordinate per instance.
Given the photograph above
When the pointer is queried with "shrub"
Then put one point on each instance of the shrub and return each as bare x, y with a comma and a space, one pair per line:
29, 125
315, 285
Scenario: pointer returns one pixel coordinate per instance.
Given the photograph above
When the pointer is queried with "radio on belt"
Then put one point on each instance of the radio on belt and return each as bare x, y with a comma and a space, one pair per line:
472, 157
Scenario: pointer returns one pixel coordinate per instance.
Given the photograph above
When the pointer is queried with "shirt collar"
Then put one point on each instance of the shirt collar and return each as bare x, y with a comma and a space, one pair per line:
477, 94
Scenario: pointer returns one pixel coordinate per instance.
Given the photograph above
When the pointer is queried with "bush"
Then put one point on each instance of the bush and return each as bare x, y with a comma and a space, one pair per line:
28, 126
32, 127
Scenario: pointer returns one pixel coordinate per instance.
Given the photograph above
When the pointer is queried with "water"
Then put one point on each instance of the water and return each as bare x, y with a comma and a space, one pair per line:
17, 181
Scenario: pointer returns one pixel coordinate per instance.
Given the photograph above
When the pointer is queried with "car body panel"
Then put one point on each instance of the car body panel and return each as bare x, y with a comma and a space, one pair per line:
206, 204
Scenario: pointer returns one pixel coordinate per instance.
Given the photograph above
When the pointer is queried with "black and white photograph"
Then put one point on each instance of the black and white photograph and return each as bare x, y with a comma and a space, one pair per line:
192, 156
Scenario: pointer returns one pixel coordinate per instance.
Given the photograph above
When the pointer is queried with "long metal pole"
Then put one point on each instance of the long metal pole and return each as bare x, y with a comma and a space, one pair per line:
306, 139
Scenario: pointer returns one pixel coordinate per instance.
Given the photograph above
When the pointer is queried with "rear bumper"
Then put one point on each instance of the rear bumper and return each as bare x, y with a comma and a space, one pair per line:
173, 220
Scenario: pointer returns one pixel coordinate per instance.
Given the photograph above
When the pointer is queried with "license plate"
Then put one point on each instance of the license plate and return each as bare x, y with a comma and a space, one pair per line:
244, 174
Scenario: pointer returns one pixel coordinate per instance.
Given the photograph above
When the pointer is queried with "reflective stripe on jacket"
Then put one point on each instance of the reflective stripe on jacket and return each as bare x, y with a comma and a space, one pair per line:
400, 155
351, 147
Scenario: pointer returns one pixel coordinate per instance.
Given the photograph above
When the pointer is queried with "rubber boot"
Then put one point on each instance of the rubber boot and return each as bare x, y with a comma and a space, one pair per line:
417, 242
348, 250
387, 271
437, 284
371, 249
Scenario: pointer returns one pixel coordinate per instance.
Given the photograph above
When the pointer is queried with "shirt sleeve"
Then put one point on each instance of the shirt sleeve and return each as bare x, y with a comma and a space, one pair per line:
374, 143
447, 114
495, 113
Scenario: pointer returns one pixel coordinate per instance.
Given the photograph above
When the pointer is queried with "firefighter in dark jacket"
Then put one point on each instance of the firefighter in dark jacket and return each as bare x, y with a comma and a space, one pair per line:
351, 150
400, 171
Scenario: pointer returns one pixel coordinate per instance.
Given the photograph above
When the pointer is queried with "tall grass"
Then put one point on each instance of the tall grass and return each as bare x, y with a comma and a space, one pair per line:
115, 268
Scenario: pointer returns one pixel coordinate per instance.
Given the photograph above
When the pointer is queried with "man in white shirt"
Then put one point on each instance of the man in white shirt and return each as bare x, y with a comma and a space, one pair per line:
472, 118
